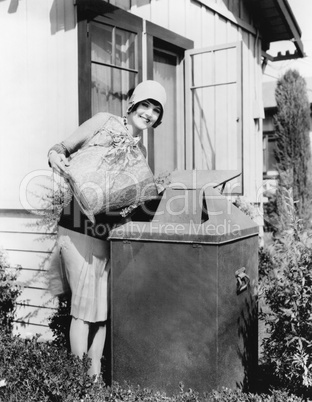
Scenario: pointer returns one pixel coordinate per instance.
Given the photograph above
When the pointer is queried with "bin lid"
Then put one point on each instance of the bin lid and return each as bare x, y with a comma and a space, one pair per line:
199, 179
213, 219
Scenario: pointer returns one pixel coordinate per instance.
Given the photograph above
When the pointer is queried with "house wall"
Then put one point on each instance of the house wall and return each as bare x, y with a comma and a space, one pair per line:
40, 107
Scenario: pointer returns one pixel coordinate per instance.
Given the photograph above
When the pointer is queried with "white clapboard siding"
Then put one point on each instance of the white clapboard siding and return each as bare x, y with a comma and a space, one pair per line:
38, 261
28, 244
17, 220
39, 108
175, 24
27, 241
32, 278
39, 102
30, 330
32, 296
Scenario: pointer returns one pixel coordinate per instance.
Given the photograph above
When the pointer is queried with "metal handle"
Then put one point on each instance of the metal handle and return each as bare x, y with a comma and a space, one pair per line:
242, 280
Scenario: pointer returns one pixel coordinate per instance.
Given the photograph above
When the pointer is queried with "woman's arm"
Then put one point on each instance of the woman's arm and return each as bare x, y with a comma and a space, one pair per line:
59, 153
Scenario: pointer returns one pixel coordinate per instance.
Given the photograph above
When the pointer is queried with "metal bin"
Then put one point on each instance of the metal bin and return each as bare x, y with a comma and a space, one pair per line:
183, 291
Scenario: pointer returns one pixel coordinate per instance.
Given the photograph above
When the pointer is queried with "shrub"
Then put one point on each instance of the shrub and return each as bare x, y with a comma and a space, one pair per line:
287, 292
227, 395
38, 371
59, 323
265, 263
245, 206
9, 291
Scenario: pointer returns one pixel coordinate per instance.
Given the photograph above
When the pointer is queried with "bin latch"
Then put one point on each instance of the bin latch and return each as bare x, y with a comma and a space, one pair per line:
242, 280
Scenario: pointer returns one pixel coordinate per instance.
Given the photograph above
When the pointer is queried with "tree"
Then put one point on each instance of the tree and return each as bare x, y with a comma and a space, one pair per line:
293, 152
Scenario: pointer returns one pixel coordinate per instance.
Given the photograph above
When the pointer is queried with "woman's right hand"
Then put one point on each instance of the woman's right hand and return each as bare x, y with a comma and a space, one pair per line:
58, 162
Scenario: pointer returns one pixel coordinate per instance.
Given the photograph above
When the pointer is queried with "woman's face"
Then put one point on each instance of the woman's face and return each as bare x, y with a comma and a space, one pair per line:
145, 115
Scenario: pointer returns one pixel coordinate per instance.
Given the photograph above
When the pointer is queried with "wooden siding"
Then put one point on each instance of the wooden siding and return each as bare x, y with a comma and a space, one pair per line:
39, 87
39, 106
29, 245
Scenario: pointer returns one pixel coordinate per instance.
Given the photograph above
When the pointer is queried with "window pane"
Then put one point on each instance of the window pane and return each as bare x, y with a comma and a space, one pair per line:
110, 87
271, 155
102, 44
125, 49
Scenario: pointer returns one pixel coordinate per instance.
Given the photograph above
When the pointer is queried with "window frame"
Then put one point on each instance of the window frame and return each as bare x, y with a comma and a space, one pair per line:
176, 44
105, 13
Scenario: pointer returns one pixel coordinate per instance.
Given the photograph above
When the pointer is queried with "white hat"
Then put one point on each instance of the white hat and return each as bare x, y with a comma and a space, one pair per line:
149, 90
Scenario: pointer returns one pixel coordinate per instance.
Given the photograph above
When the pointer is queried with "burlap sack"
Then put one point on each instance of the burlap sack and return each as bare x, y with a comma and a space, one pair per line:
110, 173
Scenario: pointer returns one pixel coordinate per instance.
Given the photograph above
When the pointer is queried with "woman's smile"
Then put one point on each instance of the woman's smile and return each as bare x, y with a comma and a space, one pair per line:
144, 116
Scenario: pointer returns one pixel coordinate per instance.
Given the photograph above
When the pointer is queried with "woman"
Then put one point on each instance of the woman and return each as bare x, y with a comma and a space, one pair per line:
83, 246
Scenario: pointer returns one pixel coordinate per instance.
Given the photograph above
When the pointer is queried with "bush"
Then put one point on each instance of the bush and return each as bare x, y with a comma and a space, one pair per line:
33, 371
9, 291
287, 292
265, 263
38, 371
59, 323
245, 206
227, 395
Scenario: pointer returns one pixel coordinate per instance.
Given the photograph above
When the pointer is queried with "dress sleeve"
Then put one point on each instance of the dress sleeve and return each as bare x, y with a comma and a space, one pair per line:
82, 134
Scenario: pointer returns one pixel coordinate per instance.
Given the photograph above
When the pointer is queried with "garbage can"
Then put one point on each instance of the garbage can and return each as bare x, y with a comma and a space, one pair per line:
183, 291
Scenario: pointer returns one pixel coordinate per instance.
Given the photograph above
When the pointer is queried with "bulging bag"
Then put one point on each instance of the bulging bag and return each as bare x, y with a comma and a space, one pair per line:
110, 173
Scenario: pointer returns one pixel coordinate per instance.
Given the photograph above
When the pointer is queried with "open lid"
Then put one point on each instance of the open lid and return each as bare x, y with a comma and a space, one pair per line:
200, 179
200, 215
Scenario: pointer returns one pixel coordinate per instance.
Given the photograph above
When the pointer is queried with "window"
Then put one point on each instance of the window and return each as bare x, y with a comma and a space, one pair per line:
109, 58
114, 67
111, 64
269, 161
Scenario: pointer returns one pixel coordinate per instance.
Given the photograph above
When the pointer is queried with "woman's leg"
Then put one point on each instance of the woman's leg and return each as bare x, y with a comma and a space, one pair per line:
78, 336
97, 338
83, 333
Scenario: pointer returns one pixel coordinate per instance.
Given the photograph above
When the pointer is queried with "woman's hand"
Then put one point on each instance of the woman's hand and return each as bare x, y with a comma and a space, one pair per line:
58, 162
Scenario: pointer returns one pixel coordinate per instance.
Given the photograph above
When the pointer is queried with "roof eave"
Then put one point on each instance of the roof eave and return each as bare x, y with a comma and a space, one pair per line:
293, 26
278, 23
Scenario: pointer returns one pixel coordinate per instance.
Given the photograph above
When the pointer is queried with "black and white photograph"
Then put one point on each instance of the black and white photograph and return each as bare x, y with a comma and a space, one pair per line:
156, 201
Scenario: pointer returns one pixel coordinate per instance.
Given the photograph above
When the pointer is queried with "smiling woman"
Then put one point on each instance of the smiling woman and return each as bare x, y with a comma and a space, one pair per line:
145, 115
151, 92
82, 248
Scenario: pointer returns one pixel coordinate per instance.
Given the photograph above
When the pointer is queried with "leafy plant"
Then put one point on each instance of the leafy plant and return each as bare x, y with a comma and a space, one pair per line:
228, 395
39, 371
33, 371
59, 323
9, 291
287, 292
245, 206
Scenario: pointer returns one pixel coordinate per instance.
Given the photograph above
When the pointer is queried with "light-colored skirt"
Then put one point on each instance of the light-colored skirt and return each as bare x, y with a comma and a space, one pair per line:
80, 264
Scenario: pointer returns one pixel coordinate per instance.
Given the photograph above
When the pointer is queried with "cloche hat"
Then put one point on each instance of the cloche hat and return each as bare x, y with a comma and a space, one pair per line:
149, 89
